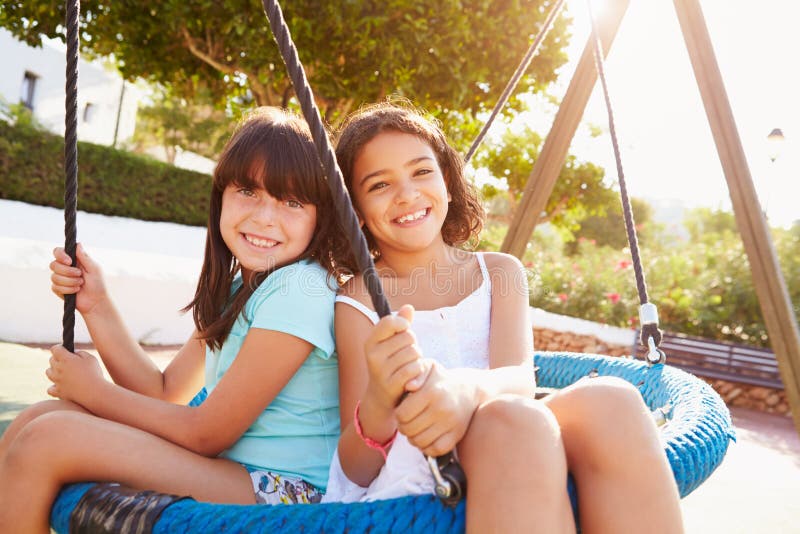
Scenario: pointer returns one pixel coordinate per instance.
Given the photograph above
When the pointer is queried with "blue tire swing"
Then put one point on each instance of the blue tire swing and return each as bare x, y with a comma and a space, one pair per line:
695, 423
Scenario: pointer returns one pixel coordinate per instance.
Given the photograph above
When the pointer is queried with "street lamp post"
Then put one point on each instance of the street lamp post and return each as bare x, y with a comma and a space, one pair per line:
775, 141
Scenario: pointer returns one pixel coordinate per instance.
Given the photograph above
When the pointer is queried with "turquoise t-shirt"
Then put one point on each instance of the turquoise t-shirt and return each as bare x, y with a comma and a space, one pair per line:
297, 433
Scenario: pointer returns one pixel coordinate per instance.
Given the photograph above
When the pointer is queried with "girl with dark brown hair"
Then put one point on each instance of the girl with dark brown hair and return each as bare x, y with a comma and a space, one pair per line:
263, 348
452, 370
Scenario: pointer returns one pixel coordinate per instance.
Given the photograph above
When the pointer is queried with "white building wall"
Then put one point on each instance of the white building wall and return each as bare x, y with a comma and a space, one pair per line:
97, 86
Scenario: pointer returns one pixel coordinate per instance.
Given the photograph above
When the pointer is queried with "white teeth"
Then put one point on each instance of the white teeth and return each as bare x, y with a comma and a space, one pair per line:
413, 216
264, 243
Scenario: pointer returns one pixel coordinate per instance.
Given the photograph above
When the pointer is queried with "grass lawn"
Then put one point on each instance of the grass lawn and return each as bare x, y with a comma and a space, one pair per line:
22, 381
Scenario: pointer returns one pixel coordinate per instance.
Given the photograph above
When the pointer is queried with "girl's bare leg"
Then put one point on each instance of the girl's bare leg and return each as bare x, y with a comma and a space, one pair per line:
62, 447
29, 414
516, 466
623, 477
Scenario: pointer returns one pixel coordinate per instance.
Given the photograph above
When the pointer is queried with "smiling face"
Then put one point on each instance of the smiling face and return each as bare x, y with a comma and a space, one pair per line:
263, 232
400, 192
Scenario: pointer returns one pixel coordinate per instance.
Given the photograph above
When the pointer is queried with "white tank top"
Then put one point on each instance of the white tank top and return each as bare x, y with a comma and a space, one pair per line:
455, 336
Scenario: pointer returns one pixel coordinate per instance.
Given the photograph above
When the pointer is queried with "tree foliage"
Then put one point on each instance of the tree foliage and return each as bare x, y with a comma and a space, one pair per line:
705, 224
579, 191
171, 122
449, 54
702, 287
609, 229
19, 115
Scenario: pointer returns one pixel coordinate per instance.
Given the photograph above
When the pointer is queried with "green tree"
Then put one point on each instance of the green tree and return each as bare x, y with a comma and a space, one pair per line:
706, 224
171, 122
18, 115
579, 191
609, 229
703, 287
787, 244
449, 54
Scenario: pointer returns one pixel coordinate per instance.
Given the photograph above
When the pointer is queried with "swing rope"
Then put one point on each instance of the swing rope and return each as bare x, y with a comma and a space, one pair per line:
512, 83
649, 328
451, 483
347, 218
71, 163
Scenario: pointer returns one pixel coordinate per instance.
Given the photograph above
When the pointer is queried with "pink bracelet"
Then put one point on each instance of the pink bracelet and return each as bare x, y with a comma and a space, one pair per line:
369, 442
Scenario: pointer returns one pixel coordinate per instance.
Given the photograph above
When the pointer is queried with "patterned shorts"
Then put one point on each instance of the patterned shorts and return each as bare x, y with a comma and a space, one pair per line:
272, 488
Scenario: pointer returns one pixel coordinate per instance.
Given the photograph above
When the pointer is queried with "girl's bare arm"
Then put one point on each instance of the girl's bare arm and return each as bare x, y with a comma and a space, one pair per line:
436, 417
265, 363
127, 363
132, 368
511, 336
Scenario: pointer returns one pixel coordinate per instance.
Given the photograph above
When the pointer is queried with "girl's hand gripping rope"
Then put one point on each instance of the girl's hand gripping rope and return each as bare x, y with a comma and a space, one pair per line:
85, 280
75, 376
394, 361
436, 417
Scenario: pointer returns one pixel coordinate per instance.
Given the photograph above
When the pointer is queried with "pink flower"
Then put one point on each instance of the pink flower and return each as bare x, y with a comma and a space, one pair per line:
623, 264
563, 297
613, 297
528, 264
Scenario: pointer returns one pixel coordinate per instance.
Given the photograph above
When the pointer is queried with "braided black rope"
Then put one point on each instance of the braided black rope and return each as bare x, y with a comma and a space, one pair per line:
512, 83
456, 486
648, 330
345, 213
73, 8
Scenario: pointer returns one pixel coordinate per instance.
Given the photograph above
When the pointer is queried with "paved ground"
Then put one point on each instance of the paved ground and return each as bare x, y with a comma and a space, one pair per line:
755, 490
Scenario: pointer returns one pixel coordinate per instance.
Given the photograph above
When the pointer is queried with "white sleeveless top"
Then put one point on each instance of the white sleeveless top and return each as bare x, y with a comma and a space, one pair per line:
456, 337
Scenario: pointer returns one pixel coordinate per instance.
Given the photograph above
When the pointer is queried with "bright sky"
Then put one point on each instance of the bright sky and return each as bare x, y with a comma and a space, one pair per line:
667, 148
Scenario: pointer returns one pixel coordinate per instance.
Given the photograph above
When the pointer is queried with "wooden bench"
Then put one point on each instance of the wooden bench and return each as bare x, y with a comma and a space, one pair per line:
719, 359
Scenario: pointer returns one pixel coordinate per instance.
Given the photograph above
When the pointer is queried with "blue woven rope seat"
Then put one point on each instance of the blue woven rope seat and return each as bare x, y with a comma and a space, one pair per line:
695, 440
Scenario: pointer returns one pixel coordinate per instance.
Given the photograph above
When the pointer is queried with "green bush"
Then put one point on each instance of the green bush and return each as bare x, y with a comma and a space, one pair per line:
110, 182
702, 287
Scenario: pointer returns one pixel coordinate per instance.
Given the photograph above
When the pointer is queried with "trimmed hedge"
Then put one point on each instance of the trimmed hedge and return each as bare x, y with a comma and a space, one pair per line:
110, 181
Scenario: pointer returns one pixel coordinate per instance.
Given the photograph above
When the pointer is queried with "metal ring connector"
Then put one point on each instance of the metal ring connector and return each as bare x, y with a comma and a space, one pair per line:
443, 487
661, 415
654, 354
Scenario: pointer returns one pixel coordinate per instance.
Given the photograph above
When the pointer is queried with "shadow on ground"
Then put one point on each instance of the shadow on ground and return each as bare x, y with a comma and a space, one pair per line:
8, 411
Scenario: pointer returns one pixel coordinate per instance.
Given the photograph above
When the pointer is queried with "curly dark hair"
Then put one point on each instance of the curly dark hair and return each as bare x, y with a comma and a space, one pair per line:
465, 214
270, 149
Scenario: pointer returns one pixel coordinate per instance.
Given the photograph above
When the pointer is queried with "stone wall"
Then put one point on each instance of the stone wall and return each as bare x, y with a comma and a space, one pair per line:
768, 400
566, 341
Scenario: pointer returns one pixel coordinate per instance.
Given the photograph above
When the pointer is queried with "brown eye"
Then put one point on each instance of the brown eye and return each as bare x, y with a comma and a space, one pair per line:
378, 185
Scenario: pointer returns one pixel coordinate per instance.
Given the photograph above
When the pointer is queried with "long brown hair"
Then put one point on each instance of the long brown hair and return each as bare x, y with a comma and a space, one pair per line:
465, 214
270, 149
